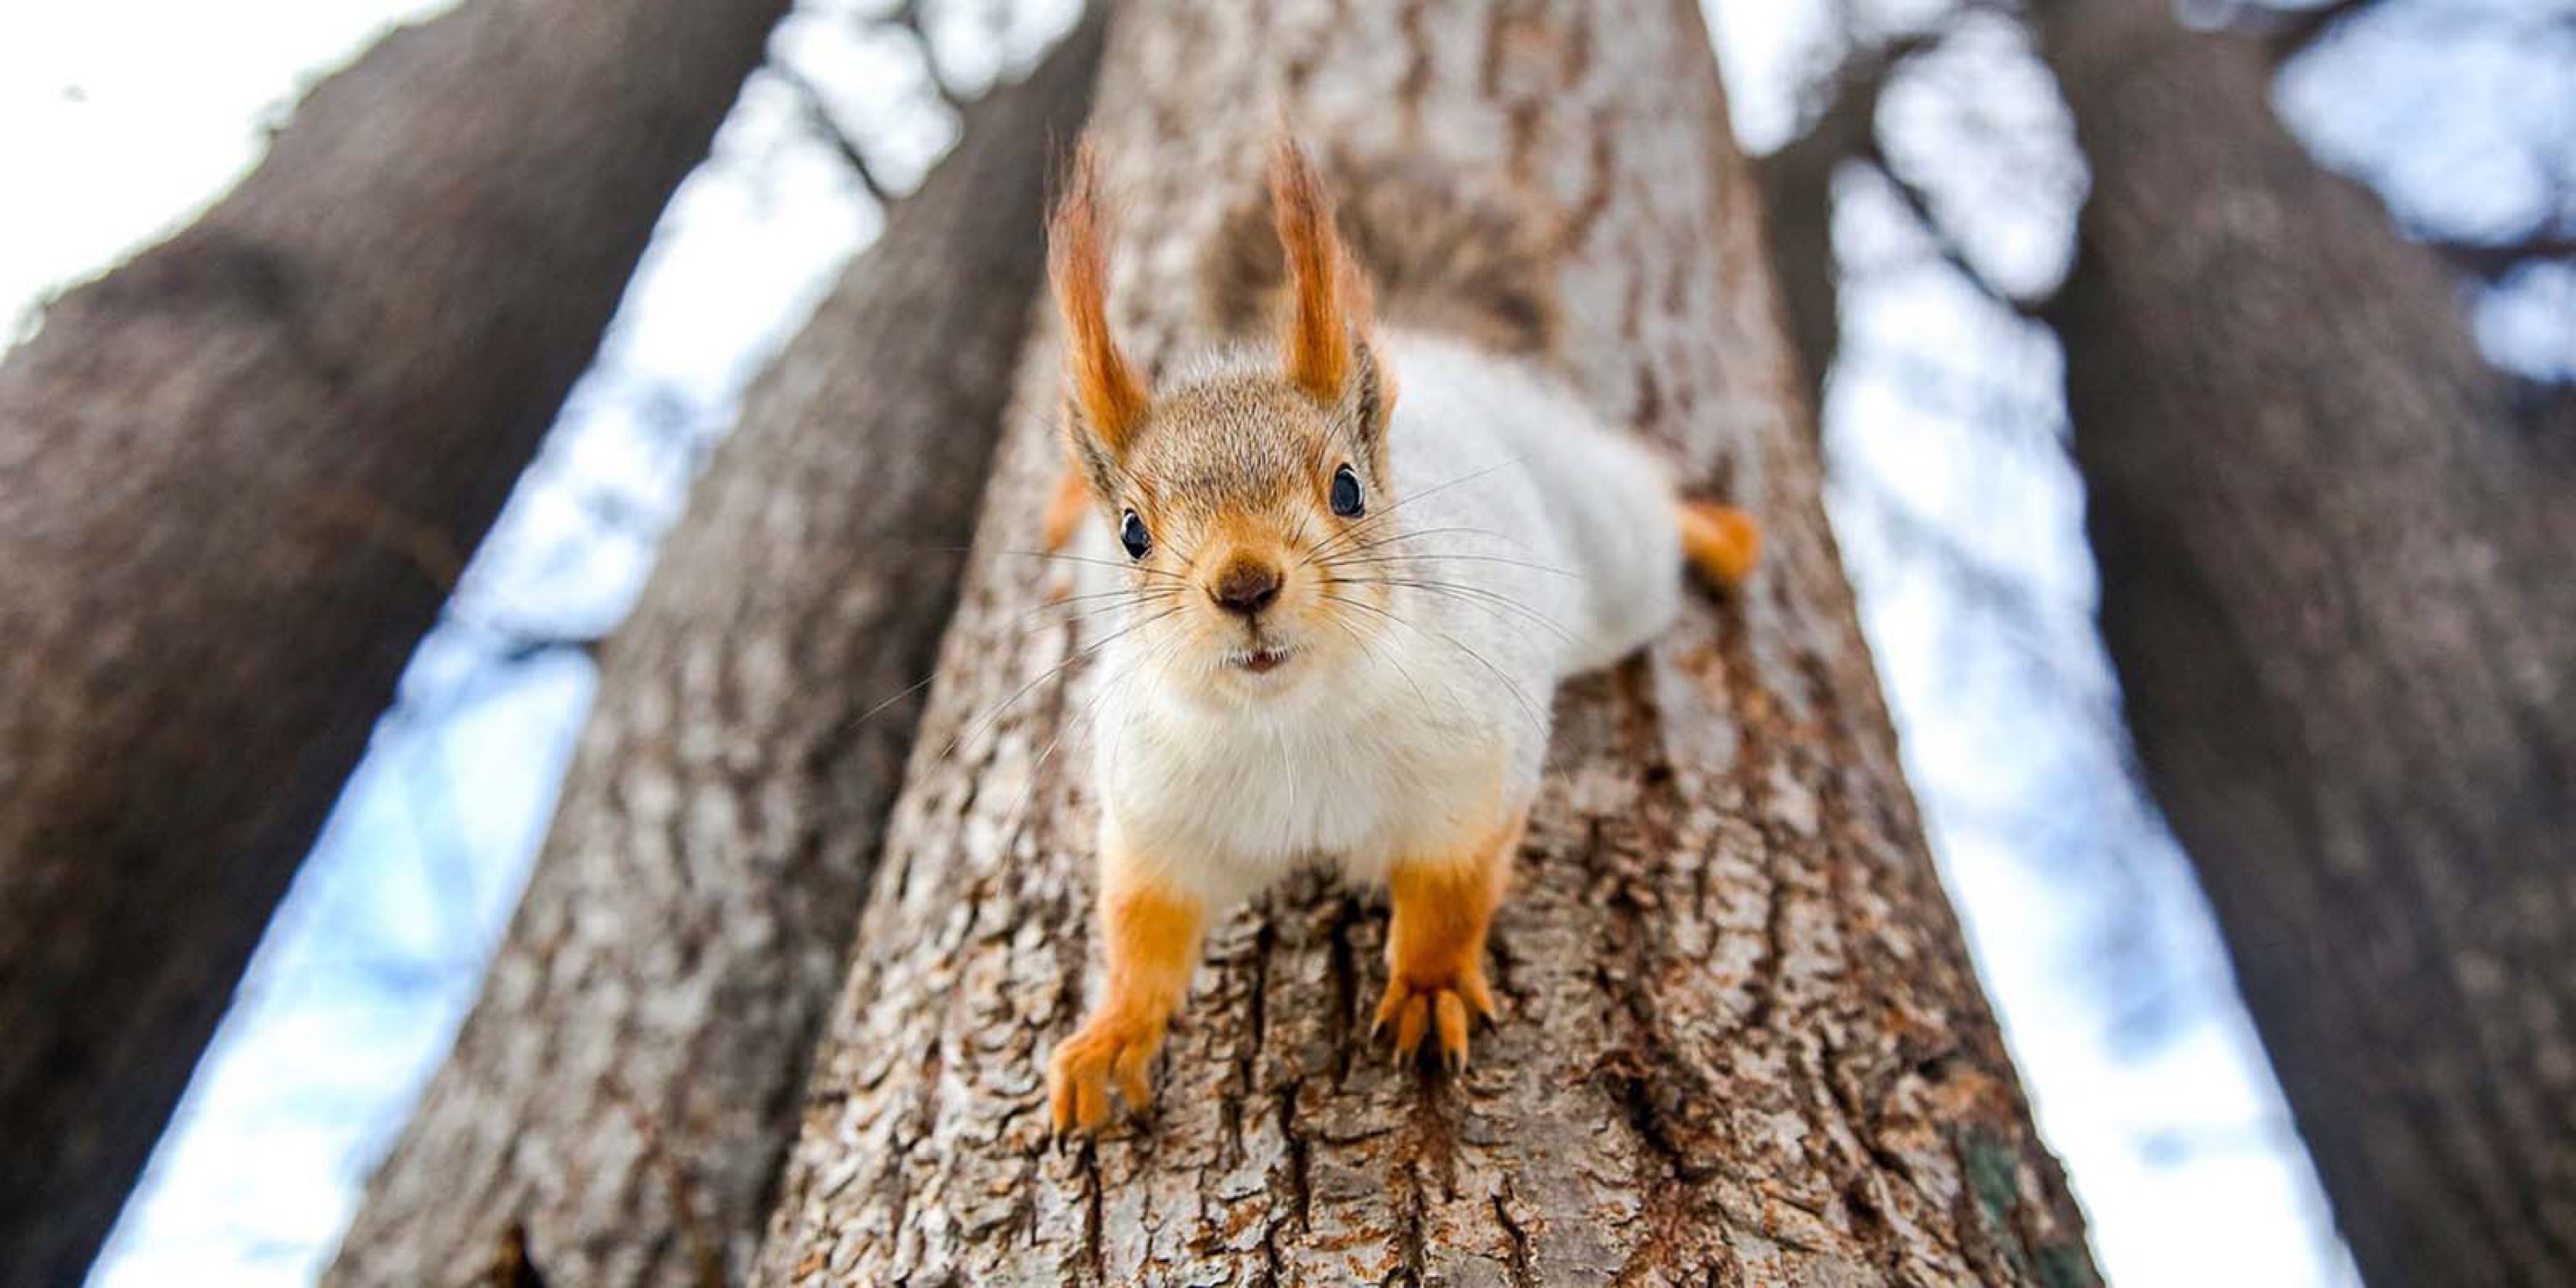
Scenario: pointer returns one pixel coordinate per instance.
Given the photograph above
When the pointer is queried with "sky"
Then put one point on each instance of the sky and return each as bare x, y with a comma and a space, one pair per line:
1949, 481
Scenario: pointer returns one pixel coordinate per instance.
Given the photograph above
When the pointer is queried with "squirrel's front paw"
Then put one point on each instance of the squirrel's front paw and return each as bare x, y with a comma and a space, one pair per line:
1415, 1005
1079, 1074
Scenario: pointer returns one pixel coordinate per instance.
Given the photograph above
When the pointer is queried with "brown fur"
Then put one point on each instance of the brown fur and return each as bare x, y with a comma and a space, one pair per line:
1104, 390
1324, 288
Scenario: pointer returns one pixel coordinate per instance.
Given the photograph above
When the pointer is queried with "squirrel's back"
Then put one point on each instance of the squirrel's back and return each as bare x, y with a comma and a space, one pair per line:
1560, 524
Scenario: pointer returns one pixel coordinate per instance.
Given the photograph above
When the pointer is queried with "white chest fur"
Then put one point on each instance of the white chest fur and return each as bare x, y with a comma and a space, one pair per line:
1358, 773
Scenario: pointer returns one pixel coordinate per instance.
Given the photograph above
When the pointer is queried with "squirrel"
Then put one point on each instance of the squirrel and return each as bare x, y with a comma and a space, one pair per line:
1355, 567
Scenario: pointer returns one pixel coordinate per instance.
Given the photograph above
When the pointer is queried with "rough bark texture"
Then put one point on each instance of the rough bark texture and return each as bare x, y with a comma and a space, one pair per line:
2335, 582
236, 479
1742, 1041
626, 1087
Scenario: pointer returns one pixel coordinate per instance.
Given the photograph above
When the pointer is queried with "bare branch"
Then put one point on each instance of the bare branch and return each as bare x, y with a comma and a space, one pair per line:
818, 114
1947, 245
2494, 261
1797, 196
2286, 33
908, 15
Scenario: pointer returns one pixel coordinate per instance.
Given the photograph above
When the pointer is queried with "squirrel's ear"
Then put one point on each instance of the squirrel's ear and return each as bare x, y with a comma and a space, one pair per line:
1106, 398
1328, 296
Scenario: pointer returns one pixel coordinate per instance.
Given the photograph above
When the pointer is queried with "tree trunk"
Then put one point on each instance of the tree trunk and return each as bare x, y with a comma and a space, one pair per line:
1797, 184
626, 1087
1742, 1041
237, 477
2335, 583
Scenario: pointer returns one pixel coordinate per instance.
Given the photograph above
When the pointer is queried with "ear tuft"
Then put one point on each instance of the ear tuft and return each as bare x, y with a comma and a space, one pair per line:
1103, 389
1329, 297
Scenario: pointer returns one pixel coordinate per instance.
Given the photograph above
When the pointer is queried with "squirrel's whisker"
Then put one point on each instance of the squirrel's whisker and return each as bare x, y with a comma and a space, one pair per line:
1096, 563
1380, 543
1489, 598
1379, 516
897, 696
1021, 627
1428, 557
1124, 597
970, 733
1374, 638
1509, 684
1468, 594
1089, 711
1105, 610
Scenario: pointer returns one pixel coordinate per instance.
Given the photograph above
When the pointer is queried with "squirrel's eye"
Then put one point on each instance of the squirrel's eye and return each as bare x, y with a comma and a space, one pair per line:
1347, 501
1132, 534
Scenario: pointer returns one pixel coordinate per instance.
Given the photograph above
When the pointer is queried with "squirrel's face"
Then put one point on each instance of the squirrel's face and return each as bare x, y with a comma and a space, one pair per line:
1239, 502
1235, 494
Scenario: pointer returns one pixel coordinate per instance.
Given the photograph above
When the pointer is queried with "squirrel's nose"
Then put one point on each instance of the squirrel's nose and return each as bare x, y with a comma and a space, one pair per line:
1246, 585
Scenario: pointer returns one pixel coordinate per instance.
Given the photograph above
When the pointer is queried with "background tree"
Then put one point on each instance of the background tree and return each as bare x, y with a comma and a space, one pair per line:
239, 475
626, 1090
2334, 580
2324, 525
1742, 1037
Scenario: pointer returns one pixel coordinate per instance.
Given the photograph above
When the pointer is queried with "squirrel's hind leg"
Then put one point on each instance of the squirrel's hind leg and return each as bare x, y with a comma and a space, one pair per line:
1435, 941
1722, 542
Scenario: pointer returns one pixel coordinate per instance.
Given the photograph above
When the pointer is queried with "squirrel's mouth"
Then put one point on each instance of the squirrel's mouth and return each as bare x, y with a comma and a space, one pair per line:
1259, 661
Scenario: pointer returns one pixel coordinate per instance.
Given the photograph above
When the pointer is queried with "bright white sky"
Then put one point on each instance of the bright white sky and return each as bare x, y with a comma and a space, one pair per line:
119, 119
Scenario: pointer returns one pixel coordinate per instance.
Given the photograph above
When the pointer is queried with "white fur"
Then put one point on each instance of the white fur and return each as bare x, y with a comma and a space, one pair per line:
1439, 729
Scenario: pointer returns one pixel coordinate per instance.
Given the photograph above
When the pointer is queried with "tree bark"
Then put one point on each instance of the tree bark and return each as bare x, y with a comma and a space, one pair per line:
625, 1089
1742, 1039
2335, 584
237, 477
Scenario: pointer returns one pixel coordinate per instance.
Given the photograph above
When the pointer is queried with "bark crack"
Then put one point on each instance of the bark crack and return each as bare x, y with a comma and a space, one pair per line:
1518, 1266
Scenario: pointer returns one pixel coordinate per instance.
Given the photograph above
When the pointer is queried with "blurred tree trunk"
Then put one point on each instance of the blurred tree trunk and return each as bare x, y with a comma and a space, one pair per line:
1797, 182
626, 1087
1742, 1038
237, 477
2335, 581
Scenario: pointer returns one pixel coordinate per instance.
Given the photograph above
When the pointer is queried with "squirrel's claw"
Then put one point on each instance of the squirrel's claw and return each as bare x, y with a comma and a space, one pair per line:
1408, 1027
1451, 1014
1086, 1065
1442, 1011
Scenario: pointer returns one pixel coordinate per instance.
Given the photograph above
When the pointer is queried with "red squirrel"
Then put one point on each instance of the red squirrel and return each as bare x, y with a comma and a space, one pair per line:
1356, 563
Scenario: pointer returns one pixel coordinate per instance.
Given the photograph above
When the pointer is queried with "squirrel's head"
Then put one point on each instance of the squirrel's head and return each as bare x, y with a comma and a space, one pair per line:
1236, 492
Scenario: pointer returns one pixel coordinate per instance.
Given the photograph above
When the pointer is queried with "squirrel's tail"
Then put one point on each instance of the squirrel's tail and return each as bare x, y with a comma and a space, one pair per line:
1722, 542
1443, 252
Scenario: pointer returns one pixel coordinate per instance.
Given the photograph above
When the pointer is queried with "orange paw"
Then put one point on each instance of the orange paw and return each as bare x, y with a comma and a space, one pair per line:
1416, 1006
1084, 1066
